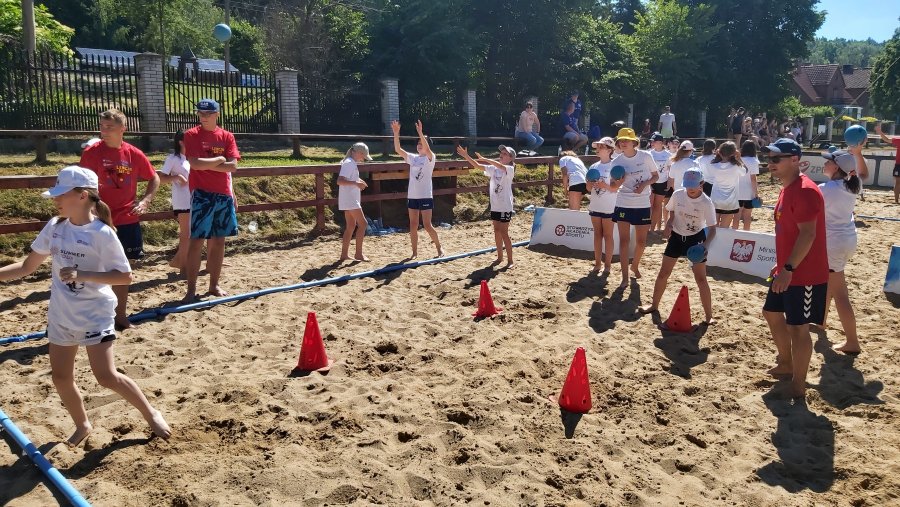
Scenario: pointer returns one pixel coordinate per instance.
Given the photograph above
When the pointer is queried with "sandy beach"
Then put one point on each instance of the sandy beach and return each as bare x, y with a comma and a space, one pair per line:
426, 406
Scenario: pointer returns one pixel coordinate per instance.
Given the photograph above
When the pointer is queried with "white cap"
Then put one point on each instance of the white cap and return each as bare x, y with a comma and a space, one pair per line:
361, 148
508, 149
686, 145
606, 141
72, 177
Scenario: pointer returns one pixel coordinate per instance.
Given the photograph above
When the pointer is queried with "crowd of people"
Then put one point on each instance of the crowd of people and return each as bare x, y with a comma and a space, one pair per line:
666, 189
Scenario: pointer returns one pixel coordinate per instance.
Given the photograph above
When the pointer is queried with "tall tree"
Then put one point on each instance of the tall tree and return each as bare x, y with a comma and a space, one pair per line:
885, 76
50, 34
623, 12
860, 53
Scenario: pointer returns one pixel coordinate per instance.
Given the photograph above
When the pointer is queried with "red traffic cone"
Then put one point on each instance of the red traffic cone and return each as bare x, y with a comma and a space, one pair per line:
486, 306
680, 318
576, 392
312, 350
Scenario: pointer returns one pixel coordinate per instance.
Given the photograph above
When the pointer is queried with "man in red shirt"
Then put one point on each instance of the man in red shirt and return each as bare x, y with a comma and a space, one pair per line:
119, 166
896, 142
796, 297
213, 155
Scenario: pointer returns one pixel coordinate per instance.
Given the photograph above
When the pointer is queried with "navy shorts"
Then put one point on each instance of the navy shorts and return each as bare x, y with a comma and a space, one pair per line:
501, 216
746, 204
800, 304
678, 245
132, 240
580, 187
599, 214
633, 216
212, 215
420, 204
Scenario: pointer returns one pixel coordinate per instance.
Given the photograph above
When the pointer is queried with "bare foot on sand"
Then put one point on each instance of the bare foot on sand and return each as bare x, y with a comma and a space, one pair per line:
159, 426
217, 292
781, 370
647, 309
78, 437
122, 323
361, 258
344, 258
510, 264
709, 321
441, 253
847, 348
636, 271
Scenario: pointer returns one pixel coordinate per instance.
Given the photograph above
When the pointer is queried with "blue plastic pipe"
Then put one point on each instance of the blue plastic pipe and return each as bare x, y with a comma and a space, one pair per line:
71, 494
161, 312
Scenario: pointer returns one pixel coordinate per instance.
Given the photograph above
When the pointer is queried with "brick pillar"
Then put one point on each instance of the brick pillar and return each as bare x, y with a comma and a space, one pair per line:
702, 123
390, 103
829, 128
151, 95
288, 101
809, 134
893, 128
470, 113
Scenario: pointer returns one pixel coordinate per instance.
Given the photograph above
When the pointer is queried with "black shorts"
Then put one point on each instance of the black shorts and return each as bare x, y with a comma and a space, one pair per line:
897, 170
633, 216
501, 216
132, 240
707, 188
581, 187
748, 204
420, 204
800, 304
599, 214
659, 188
726, 211
678, 245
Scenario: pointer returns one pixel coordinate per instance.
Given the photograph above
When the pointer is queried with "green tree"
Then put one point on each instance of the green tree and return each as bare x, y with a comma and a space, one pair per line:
885, 76
860, 53
50, 34
246, 46
623, 12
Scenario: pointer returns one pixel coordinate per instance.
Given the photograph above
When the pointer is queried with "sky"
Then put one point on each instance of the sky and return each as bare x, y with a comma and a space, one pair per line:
859, 19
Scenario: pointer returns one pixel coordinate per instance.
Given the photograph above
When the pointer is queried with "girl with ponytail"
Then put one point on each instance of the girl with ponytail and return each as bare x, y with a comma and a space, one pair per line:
88, 260
844, 170
725, 171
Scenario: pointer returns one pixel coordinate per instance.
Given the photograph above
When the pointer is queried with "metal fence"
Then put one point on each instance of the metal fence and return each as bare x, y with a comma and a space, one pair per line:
441, 110
249, 102
62, 92
340, 109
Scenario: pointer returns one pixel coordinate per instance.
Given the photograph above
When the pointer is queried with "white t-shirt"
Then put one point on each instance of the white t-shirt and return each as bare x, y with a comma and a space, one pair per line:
500, 188
575, 168
677, 170
420, 171
839, 204
667, 119
745, 186
703, 162
638, 169
349, 196
691, 215
661, 158
725, 177
177, 165
602, 200
81, 306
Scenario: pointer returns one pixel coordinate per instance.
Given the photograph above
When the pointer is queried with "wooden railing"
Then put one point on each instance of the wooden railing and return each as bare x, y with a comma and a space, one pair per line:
379, 172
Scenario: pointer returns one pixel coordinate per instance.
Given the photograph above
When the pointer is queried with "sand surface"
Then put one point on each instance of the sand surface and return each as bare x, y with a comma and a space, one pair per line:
425, 406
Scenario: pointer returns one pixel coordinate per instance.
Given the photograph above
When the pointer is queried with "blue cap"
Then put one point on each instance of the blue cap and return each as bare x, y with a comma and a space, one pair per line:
656, 136
784, 146
693, 178
208, 105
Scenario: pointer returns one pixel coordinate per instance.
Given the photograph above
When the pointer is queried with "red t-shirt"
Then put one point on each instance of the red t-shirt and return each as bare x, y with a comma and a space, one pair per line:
896, 142
199, 143
118, 171
800, 202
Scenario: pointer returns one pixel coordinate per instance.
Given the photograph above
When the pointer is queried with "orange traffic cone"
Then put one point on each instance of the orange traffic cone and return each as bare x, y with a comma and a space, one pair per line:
679, 320
576, 392
312, 350
486, 306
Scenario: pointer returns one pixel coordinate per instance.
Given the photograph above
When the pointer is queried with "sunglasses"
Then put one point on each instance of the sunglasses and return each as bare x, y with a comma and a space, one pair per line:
774, 159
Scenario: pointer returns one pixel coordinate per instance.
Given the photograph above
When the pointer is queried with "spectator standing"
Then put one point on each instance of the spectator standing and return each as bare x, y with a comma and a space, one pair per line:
667, 126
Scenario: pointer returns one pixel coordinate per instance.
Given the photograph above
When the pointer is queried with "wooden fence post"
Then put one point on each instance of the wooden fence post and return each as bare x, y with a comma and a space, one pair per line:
40, 149
320, 208
297, 153
549, 199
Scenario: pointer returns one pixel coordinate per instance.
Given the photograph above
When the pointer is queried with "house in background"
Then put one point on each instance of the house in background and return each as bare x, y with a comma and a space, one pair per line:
843, 87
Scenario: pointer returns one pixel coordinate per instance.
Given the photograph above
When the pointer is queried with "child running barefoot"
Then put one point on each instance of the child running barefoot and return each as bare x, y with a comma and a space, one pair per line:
176, 170
419, 198
690, 211
602, 194
350, 188
501, 194
633, 200
87, 260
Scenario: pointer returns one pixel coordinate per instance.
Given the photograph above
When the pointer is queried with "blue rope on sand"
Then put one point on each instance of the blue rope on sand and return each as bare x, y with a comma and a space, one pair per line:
56, 478
162, 312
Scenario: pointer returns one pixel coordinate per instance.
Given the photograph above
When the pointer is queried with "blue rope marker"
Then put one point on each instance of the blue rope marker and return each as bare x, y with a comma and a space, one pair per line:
162, 312
56, 478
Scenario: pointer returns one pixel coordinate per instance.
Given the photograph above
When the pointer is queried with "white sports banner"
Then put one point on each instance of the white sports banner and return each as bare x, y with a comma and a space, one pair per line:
568, 228
745, 251
812, 165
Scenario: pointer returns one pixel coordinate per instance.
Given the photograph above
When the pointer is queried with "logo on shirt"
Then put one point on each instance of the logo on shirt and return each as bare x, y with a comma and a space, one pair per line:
213, 150
742, 250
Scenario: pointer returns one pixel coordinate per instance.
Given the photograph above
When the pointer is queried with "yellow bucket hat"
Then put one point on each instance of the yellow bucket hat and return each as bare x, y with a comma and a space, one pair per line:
627, 135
